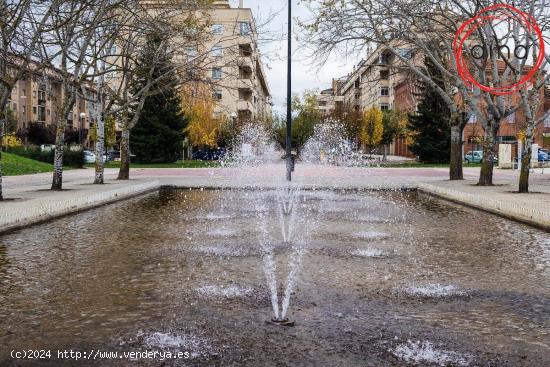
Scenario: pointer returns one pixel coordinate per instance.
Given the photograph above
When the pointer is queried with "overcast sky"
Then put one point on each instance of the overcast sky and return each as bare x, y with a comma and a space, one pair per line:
304, 76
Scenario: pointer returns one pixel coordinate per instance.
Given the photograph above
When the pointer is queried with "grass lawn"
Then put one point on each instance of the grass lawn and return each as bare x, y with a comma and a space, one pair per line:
178, 164
14, 165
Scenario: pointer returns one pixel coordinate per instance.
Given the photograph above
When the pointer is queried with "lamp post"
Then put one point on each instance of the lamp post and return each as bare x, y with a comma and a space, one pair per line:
289, 97
82, 116
234, 117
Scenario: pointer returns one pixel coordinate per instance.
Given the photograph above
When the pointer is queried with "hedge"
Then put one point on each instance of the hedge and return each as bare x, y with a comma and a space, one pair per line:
70, 158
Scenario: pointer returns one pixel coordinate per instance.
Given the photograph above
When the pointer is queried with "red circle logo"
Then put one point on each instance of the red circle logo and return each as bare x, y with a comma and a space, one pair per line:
495, 16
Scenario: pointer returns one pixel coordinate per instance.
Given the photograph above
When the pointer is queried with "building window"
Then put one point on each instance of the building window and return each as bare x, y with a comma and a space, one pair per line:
383, 59
384, 74
217, 73
245, 28
384, 91
217, 51
472, 119
547, 121
34, 110
384, 106
217, 28
357, 96
217, 95
41, 114
191, 52
14, 107
322, 103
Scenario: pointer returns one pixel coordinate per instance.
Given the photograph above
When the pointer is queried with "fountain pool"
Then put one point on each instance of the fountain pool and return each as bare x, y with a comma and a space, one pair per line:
370, 278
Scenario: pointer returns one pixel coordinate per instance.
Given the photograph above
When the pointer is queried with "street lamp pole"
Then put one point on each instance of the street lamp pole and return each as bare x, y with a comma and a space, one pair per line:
80, 138
289, 98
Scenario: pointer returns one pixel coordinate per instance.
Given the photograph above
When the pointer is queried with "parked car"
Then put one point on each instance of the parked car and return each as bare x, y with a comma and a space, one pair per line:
89, 157
114, 155
543, 156
47, 147
209, 154
476, 156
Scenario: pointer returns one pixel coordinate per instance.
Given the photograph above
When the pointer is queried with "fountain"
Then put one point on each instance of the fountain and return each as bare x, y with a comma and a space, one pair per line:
187, 271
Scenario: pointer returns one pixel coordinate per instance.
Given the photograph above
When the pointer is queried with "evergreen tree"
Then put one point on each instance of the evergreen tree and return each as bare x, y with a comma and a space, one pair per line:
158, 135
430, 125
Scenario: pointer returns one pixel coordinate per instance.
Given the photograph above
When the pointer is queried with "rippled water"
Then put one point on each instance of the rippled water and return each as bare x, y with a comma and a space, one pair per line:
387, 279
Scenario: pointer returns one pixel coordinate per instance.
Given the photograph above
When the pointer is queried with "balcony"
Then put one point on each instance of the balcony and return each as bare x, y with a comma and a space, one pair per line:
245, 63
244, 105
245, 84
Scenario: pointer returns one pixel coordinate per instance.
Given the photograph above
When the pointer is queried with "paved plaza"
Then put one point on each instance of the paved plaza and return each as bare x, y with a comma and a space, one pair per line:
30, 201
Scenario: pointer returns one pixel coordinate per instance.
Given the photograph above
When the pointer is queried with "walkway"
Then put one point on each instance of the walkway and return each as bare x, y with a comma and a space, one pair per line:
33, 202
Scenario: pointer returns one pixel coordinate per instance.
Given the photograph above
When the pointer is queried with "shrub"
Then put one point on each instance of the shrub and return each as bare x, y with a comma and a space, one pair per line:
11, 141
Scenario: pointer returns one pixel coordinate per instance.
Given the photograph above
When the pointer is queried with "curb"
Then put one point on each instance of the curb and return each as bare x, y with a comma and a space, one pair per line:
17, 219
535, 217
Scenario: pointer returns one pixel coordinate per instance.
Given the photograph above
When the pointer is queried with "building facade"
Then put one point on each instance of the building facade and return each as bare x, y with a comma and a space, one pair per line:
376, 81
331, 100
38, 98
243, 89
231, 60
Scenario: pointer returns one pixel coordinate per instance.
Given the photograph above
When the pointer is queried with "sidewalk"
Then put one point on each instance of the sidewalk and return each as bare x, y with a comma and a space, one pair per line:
30, 201
503, 199
34, 202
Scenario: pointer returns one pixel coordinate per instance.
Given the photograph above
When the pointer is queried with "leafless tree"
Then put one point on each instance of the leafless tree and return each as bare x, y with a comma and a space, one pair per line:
185, 28
422, 27
73, 37
132, 78
22, 24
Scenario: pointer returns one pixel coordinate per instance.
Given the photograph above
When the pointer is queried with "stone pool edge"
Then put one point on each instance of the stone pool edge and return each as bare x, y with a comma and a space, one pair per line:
534, 217
45, 211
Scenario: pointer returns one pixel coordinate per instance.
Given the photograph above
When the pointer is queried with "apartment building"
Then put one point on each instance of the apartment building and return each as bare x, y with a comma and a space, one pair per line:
377, 81
511, 127
240, 86
227, 61
38, 98
331, 100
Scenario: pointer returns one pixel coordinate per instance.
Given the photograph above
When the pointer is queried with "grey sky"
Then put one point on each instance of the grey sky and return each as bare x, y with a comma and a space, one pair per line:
304, 75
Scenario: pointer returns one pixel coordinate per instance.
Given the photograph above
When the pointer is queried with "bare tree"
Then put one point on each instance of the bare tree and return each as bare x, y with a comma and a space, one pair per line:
427, 28
185, 28
22, 24
74, 39
133, 78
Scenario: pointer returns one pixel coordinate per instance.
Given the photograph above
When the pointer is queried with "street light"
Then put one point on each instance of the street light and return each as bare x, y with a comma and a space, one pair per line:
289, 97
82, 116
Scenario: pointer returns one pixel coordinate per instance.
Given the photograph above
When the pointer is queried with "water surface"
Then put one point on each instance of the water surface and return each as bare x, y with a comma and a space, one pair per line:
387, 279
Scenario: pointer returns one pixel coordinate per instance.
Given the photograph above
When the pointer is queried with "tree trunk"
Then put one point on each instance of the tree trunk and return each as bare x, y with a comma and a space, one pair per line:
456, 171
57, 182
100, 150
487, 164
525, 168
124, 172
2, 124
